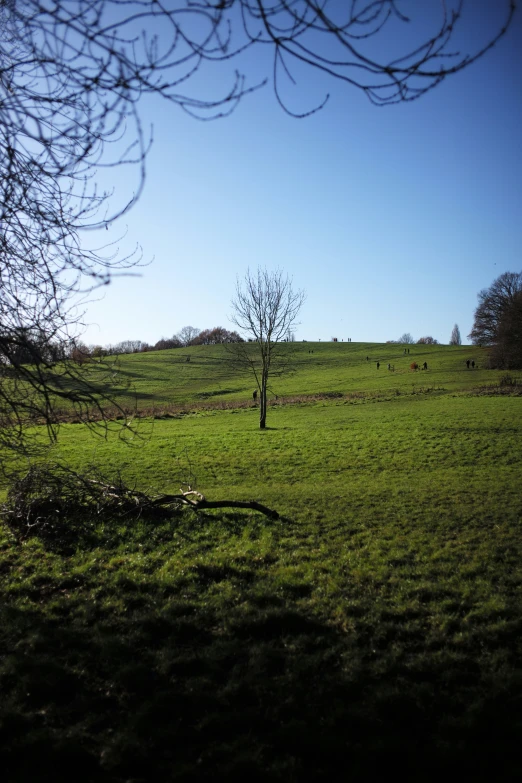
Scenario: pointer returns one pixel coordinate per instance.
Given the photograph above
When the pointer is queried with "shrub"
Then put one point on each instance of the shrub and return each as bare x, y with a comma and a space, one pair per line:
508, 380
414, 366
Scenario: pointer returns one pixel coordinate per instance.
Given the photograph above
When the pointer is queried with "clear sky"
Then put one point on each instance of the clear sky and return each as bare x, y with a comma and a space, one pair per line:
391, 219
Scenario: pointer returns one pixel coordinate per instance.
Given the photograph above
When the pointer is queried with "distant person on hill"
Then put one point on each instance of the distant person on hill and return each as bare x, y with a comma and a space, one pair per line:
467, 363
473, 365
367, 358
378, 365
254, 395
425, 366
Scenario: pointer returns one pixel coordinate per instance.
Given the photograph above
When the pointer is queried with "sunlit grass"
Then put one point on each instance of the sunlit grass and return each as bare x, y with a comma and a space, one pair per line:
379, 620
167, 377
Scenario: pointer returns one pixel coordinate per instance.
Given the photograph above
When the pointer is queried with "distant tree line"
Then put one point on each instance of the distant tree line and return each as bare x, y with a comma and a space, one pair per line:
20, 345
407, 339
188, 335
23, 346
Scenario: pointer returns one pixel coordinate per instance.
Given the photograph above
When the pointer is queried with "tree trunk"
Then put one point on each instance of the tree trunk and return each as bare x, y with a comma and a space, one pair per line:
262, 406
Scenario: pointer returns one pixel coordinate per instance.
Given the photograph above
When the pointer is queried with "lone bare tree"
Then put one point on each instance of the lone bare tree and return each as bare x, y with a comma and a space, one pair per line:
72, 74
265, 308
455, 338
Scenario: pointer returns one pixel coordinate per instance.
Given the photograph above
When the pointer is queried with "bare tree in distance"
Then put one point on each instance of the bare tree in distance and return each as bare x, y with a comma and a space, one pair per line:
428, 340
455, 338
265, 308
71, 78
187, 335
497, 320
406, 339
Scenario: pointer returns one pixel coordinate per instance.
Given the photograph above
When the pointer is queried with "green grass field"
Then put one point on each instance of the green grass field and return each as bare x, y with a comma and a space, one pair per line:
166, 377
378, 621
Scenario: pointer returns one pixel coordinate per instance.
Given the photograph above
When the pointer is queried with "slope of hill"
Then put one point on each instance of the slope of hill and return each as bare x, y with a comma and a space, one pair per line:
204, 372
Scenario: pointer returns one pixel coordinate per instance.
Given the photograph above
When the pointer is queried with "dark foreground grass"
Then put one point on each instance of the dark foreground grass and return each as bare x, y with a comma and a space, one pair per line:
377, 623
233, 648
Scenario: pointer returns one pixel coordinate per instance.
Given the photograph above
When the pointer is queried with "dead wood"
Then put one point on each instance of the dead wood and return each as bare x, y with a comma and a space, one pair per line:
48, 498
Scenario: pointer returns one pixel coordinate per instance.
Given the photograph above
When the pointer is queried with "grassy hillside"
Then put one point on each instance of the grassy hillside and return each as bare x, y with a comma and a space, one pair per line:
379, 621
167, 377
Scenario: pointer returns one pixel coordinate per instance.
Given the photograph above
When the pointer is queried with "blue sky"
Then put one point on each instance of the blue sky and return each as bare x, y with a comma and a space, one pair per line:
391, 219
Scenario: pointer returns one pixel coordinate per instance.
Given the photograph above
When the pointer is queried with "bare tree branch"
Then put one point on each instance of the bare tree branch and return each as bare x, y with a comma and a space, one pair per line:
50, 500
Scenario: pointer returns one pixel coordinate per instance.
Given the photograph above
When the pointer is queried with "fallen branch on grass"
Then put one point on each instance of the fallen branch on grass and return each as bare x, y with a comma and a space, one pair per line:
202, 503
47, 499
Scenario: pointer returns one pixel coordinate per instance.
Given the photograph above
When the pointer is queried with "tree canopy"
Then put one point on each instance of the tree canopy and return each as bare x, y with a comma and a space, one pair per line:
492, 305
498, 320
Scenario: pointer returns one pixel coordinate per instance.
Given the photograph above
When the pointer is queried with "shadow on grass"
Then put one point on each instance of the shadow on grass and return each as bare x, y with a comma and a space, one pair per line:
85, 532
162, 687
